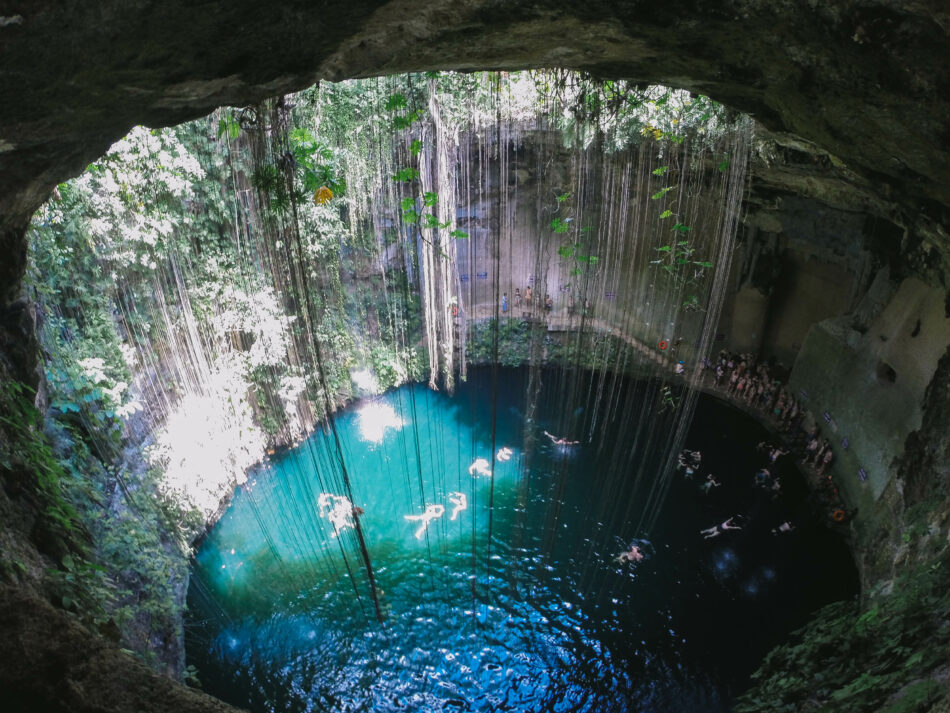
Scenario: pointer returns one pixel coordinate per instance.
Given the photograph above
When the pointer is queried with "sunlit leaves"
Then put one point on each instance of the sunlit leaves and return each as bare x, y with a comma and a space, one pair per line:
661, 170
662, 192
666, 214
229, 126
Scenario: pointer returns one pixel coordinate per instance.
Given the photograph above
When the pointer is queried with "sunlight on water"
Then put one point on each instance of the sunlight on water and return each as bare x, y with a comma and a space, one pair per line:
375, 418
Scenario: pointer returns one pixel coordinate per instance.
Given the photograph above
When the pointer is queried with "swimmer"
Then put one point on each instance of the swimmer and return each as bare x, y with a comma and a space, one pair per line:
777, 453
717, 530
710, 483
459, 503
560, 441
632, 555
432, 512
480, 466
338, 510
504, 454
783, 528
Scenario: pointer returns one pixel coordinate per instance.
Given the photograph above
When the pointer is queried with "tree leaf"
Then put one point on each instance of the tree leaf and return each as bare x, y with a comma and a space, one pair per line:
406, 175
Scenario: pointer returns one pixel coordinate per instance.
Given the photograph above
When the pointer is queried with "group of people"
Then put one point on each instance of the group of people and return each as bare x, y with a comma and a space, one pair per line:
435, 511
482, 466
757, 384
526, 301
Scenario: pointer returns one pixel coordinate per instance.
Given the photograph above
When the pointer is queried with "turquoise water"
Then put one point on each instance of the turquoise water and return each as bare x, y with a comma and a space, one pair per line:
516, 603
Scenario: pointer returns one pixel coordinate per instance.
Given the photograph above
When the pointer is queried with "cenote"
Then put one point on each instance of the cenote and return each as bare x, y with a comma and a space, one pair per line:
518, 601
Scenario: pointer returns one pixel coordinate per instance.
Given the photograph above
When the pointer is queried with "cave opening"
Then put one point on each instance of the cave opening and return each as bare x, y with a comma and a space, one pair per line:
260, 274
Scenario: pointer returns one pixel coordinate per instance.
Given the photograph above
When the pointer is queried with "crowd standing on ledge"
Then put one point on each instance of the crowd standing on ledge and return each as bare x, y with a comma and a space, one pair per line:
759, 385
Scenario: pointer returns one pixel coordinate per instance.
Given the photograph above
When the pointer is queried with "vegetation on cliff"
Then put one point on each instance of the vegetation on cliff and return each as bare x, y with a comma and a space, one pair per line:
212, 290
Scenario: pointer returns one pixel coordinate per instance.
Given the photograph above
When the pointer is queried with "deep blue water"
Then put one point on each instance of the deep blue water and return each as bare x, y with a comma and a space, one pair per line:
537, 617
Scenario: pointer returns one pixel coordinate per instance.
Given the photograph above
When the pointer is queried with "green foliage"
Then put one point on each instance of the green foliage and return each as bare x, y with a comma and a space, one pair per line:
691, 304
662, 192
316, 164
677, 263
406, 175
848, 661
395, 102
26, 456
514, 342
229, 126
623, 113
83, 589
661, 170
560, 226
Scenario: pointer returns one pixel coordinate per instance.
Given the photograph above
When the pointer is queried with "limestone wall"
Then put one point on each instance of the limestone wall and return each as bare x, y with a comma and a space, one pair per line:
866, 390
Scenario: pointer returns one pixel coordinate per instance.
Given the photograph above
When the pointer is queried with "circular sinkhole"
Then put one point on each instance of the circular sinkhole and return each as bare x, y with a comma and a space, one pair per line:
498, 581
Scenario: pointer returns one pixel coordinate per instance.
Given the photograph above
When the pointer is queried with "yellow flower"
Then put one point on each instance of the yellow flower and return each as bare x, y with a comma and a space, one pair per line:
322, 195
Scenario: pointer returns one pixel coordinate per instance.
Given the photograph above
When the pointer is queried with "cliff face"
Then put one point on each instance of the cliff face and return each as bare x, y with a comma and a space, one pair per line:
854, 91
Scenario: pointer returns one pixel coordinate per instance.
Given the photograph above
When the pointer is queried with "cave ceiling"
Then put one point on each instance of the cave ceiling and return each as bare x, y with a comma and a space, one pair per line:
861, 87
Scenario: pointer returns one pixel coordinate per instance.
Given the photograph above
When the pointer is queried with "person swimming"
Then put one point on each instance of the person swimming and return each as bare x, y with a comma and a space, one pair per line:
432, 512
785, 527
338, 510
560, 441
717, 530
633, 555
710, 483
480, 466
459, 503
504, 454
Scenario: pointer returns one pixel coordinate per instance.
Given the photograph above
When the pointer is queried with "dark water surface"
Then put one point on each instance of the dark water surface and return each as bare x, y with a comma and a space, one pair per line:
281, 617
